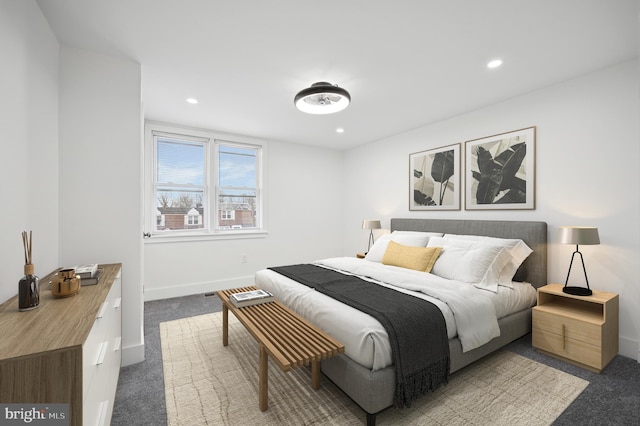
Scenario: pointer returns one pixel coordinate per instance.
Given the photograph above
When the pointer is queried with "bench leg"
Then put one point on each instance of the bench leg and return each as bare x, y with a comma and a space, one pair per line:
315, 374
371, 419
225, 325
263, 379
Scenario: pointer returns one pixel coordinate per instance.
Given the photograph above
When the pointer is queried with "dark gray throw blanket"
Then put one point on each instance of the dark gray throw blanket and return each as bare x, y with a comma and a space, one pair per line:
416, 328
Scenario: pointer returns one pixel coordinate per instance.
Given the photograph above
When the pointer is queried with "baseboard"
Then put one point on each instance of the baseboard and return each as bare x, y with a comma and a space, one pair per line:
195, 288
629, 348
132, 355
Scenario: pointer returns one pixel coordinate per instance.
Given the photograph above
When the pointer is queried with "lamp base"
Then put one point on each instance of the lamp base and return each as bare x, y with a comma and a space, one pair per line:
577, 291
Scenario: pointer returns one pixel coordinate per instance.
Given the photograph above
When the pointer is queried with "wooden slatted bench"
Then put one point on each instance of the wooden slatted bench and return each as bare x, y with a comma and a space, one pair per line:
289, 339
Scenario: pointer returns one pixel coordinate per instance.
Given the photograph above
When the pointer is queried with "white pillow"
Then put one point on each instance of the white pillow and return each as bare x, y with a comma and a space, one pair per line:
473, 262
518, 251
406, 238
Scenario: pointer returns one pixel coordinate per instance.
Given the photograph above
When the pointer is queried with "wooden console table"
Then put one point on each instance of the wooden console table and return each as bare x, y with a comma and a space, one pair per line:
289, 339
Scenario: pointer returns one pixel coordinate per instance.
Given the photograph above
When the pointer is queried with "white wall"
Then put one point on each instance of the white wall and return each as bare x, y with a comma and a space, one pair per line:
304, 222
100, 175
587, 154
28, 142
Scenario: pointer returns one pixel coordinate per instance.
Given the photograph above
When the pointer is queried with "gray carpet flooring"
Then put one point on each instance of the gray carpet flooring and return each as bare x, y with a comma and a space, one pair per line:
612, 397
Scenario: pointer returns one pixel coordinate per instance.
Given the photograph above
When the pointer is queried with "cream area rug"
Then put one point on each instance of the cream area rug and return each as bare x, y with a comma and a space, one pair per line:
209, 384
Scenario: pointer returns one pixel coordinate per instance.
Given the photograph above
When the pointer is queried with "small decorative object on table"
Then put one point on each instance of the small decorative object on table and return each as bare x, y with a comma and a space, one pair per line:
249, 298
28, 288
86, 271
95, 279
89, 274
65, 284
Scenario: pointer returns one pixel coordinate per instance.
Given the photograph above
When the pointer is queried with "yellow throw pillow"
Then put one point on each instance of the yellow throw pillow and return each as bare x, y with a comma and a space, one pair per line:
417, 258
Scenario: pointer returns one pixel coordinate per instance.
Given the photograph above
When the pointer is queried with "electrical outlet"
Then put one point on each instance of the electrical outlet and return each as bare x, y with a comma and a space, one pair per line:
244, 258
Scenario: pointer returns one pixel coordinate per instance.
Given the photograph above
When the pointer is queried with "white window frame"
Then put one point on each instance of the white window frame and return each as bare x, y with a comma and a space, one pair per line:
210, 230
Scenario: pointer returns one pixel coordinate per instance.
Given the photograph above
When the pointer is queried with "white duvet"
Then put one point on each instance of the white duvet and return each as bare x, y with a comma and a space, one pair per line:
470, 313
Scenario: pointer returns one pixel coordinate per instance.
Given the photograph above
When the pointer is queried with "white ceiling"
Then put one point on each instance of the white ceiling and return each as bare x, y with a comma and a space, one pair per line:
406, 63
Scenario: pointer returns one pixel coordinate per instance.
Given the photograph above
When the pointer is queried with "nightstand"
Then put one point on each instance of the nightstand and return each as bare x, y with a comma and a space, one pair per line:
582, 330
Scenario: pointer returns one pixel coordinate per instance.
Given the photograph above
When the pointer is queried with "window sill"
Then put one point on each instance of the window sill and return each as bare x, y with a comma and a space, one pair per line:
222, 235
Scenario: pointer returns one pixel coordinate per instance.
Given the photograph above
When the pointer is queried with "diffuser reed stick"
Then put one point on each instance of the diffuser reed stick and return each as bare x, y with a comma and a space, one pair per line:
28, 246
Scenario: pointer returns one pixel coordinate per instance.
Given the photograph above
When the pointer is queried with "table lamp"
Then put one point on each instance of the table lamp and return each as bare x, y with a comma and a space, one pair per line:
370, 224
578, 235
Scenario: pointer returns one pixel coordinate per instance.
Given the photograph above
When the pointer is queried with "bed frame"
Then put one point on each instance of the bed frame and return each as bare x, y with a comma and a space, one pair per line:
373, 390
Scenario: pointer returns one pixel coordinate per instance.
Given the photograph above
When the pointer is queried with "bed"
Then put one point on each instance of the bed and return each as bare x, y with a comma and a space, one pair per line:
365, 372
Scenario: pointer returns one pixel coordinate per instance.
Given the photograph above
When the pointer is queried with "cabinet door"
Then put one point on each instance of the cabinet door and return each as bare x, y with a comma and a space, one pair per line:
577, 341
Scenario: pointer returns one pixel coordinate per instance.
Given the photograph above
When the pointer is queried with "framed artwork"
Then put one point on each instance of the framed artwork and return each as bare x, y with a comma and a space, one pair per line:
500, 171
434, 179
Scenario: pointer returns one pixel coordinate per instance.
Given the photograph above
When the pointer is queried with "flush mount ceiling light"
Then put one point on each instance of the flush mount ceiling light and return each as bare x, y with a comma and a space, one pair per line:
495, 63
322, 98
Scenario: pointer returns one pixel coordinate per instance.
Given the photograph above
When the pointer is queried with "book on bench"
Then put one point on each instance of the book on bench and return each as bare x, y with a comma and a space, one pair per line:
249, 298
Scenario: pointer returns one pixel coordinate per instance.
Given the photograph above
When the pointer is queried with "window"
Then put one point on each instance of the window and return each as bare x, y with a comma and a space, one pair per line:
236, 189
193, 217
180, 180
202, 185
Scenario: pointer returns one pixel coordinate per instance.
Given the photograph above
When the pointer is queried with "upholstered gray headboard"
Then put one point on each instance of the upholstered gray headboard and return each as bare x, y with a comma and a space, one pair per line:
534, 268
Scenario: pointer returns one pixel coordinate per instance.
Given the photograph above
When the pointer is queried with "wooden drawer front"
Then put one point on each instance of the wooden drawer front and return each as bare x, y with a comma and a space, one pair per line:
570, 328
568, 348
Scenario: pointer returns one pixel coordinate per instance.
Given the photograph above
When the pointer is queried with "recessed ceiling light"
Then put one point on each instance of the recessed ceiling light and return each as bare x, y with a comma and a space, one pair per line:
339, 130
192, 101
495, 63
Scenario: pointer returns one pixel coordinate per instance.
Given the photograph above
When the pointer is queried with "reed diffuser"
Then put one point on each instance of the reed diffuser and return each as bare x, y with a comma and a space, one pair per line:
29, 286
